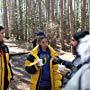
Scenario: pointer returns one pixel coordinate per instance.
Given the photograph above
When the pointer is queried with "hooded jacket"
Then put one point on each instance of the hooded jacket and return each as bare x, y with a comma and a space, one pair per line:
35, 71
80, 81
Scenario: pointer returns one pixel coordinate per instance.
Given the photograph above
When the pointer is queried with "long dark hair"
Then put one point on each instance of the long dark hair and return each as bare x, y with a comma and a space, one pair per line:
1, 28
77, 36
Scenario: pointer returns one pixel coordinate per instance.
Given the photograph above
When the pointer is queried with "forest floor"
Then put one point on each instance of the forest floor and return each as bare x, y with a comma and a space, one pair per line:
21, 77
19, 52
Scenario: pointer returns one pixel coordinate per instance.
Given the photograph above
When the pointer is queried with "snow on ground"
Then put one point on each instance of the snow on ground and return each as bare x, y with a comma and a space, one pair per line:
17, 50
13, 48
21, 77
67, 56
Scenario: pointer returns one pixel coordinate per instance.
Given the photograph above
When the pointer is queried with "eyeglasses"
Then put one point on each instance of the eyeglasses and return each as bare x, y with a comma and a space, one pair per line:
45, 42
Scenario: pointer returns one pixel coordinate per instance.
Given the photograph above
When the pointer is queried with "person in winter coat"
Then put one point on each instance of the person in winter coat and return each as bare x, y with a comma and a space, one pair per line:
45, 76
5, 68
75, 65
80, 81
34, 41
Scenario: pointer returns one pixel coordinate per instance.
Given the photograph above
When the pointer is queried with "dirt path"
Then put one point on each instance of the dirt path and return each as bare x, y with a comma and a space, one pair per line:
21, 77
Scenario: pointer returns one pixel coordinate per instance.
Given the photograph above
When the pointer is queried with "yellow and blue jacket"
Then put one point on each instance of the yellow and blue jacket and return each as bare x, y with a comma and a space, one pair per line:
35, 71
5, 69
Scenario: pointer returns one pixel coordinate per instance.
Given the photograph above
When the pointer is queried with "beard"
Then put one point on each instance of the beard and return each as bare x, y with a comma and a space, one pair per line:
74, 50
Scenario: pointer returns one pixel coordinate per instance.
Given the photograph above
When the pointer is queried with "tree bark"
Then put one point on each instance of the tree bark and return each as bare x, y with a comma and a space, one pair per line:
62, 25
52, 6
83, 14
40, 12
89, 15
21, 21
71, 15
5, 19
48, 10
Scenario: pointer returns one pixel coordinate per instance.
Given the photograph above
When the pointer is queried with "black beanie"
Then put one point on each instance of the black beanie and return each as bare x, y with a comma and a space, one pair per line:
79, 35
40, 33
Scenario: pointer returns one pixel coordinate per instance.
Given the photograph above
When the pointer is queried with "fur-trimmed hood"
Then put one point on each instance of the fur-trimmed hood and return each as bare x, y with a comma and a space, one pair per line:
84, 48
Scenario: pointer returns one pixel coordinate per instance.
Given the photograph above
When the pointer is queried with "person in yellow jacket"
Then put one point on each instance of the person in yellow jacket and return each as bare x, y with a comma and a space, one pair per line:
5, 69
44, 76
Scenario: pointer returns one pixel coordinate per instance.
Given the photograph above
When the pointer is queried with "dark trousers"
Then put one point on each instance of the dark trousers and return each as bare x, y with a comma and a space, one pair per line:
6, 84
45, 88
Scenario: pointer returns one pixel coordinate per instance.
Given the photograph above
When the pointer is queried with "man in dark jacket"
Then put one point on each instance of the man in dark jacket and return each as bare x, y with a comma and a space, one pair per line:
5, 69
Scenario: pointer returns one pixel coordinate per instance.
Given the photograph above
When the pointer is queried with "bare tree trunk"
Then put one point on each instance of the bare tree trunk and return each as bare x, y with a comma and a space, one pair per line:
64, 12
76, 21
67, 22
40, 16
52, 6
16, 19
26, 26
9, 15
77, 16
83, 14
48, 9
21, 21
68, 16
56, 13
62, 25
89, 15
29, 19
71, 18
5, 19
